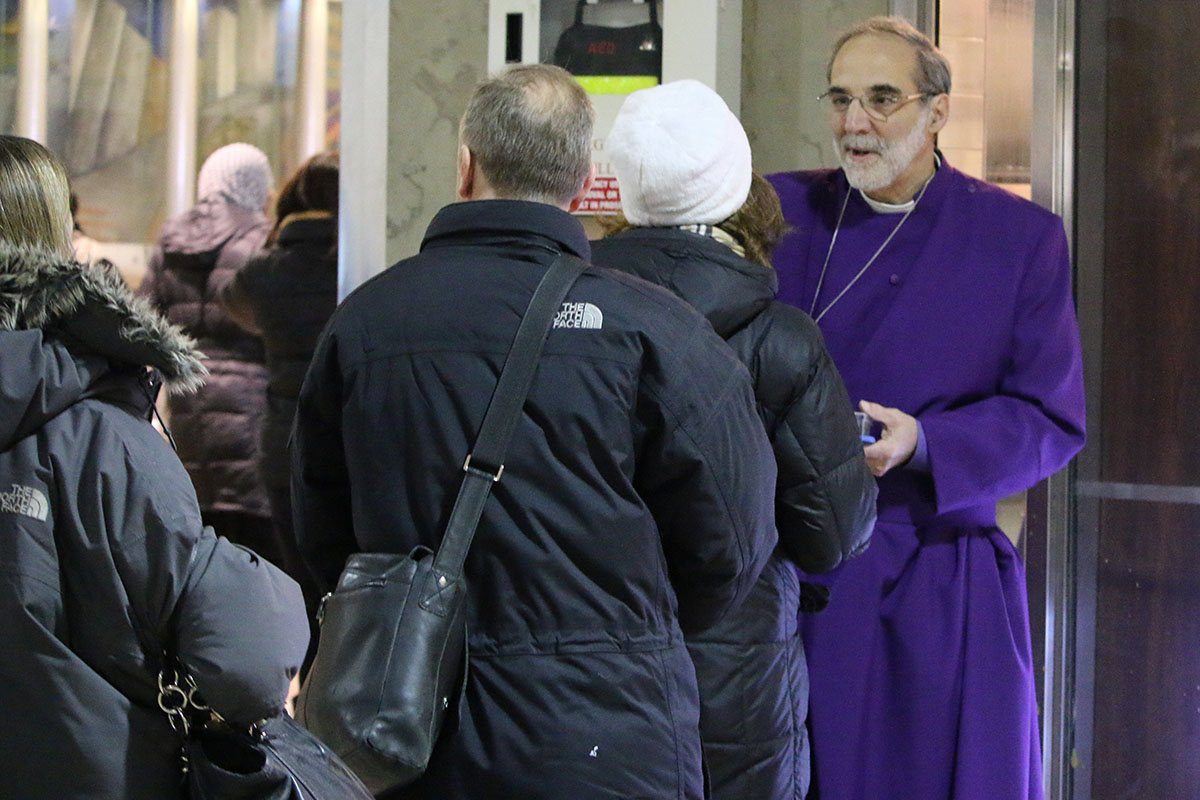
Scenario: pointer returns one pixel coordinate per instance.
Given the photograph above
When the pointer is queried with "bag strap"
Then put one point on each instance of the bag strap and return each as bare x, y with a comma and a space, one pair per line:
485, 463
579, 6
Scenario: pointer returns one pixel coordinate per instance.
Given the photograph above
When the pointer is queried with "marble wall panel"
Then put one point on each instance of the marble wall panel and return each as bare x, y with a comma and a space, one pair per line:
437, 52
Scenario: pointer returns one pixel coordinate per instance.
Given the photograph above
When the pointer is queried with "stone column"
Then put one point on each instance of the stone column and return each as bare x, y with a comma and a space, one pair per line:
181, 110
33, 47
367, 30
314, 50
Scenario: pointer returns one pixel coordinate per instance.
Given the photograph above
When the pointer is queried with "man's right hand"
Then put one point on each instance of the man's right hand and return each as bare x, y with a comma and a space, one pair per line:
896, 444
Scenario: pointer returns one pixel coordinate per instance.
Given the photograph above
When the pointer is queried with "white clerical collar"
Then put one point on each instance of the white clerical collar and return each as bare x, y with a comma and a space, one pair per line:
880, 207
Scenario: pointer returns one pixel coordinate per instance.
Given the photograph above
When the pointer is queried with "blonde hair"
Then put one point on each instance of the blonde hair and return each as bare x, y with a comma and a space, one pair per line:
35, 198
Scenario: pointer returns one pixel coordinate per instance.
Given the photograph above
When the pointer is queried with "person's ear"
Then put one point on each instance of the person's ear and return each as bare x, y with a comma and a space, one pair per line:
466, 173
577, 200
941, 112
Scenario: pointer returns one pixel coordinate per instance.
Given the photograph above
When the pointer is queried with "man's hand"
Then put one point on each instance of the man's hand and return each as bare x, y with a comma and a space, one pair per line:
897, 442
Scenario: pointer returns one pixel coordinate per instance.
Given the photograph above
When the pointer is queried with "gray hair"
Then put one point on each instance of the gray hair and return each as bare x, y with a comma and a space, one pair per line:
530, 130
933, 70
35, 205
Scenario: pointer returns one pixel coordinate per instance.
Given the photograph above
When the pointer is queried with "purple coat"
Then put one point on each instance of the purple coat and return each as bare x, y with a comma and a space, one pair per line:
217, 428
922, 682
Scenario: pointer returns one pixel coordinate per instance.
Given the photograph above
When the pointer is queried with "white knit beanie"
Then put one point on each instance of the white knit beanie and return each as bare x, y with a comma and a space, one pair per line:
240, 172
680, 155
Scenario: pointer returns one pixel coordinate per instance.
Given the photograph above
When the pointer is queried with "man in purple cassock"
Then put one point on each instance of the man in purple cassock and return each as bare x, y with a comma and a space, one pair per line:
946, 305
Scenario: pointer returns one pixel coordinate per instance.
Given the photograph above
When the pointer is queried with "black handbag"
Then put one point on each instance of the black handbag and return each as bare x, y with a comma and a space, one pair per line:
392, 657
275, 759
599, 50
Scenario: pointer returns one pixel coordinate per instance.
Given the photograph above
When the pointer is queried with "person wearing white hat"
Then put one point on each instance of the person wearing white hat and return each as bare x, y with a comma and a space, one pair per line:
681, 156
239, 173
699, 222
217, 429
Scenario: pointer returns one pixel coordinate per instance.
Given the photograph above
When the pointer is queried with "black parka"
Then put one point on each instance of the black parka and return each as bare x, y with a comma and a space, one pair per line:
217, 428
635, 499
285, 295
753, 680
103, 561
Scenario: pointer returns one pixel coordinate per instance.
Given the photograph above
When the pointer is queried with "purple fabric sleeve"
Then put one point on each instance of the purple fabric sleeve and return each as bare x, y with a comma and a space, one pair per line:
996, 446
919, 461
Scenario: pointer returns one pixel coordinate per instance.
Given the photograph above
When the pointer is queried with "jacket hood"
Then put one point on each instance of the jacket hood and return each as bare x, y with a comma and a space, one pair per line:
726, 288
205, 228
91, 309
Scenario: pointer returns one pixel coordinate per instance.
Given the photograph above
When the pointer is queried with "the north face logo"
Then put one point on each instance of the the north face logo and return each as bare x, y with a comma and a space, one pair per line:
579, 315
25, 500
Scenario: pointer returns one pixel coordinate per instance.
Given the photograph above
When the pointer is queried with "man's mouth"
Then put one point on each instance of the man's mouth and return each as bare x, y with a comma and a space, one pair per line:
859, 153
859, 148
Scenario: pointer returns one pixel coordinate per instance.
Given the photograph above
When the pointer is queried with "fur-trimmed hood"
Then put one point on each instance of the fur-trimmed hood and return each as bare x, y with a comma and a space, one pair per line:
92, 306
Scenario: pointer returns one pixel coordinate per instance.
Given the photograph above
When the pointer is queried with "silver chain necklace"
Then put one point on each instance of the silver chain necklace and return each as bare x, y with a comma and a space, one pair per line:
836, 229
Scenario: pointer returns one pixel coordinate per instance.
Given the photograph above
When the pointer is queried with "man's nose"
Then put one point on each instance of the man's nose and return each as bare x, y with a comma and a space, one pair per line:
855, 120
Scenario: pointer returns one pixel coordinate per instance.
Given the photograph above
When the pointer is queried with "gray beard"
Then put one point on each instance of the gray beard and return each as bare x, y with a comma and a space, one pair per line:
894, 157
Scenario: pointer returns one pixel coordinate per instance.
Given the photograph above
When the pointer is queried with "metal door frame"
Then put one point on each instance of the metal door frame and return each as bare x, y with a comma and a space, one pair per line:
1071, 545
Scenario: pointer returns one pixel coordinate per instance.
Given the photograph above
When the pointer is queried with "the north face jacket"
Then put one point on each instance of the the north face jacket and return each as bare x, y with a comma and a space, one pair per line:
635, 501
102, 555
217, 428
753, 679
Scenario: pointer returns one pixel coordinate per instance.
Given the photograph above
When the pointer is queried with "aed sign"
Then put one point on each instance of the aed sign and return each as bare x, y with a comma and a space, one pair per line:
615, 47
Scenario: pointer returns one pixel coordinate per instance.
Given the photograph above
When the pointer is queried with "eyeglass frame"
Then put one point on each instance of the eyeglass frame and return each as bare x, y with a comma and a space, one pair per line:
902, 101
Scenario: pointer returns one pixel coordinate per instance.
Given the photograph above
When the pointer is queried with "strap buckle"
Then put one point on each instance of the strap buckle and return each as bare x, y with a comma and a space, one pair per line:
468, 468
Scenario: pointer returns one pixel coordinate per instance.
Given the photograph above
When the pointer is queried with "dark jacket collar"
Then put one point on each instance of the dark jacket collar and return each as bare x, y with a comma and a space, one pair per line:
487, 222
301, 229
726, 288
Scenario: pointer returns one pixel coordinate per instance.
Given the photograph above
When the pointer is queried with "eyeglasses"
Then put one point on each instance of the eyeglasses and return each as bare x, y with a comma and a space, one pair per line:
877, 105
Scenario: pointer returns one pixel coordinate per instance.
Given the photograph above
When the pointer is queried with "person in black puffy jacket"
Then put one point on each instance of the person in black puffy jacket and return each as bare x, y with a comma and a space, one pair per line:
217, 428
285, 295
104, 561
701, 224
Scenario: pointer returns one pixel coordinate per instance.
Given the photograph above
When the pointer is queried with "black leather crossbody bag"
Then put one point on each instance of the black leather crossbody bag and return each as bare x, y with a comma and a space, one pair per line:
392, 658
